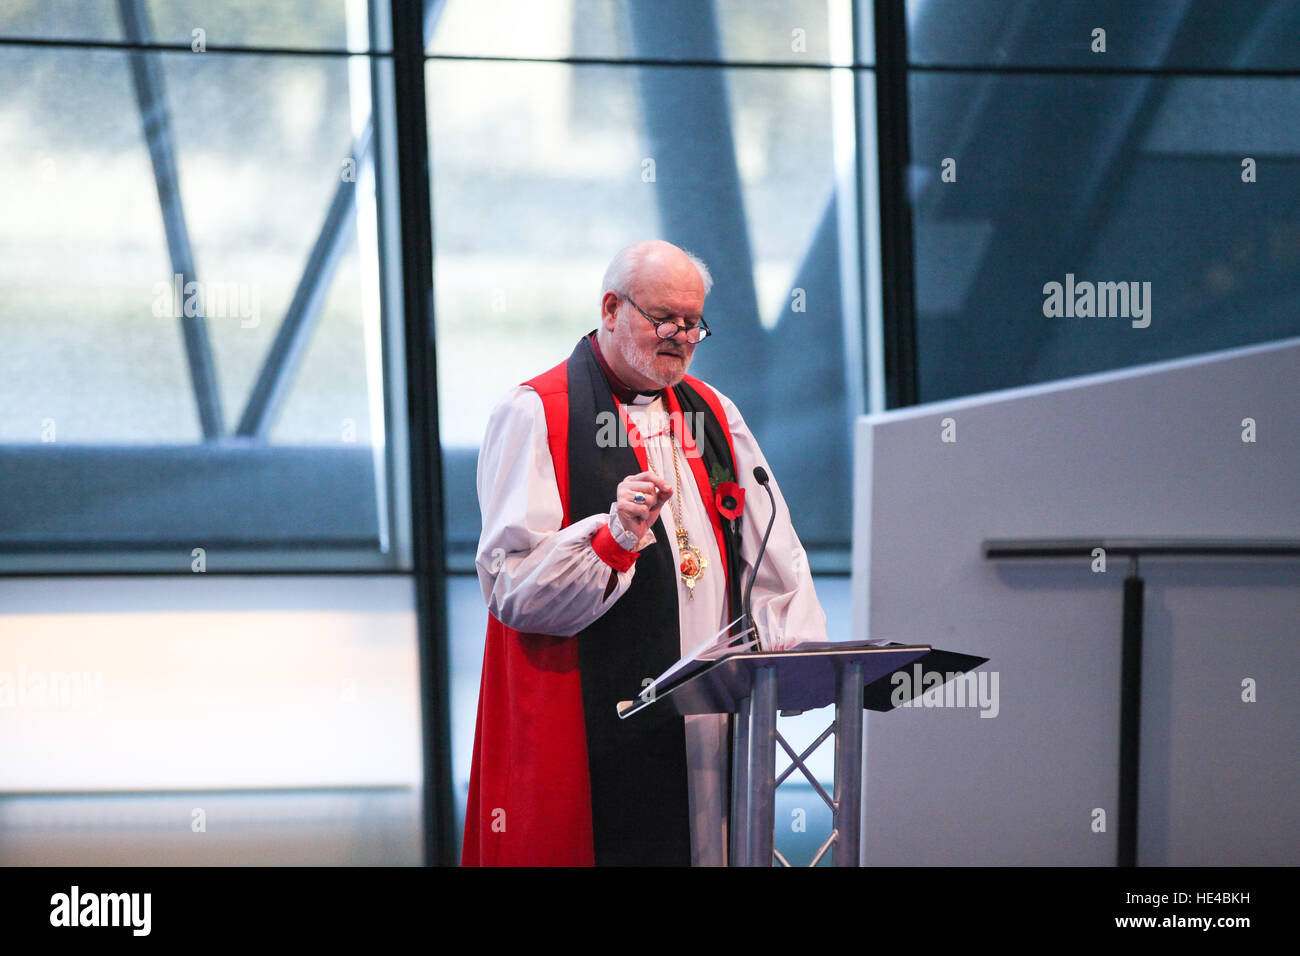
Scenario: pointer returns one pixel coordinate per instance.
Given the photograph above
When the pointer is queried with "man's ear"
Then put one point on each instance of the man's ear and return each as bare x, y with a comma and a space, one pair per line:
609, 310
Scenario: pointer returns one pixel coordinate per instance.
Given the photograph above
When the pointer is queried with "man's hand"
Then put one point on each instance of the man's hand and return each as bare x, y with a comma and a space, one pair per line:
639, 518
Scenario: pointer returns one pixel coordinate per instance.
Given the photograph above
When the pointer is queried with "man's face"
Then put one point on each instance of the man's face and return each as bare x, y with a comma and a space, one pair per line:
650, 362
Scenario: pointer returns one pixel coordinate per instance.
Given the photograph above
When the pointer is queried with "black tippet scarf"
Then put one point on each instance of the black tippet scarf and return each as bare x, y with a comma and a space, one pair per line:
639, 801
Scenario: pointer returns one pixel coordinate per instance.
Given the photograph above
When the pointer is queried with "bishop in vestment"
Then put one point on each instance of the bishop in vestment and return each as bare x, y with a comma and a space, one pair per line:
616, 536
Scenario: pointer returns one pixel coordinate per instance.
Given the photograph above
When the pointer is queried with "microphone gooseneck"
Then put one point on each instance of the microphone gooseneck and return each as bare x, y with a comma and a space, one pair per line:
760, 475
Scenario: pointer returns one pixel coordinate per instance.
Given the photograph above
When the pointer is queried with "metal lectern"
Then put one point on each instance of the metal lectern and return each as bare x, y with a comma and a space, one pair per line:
753, 687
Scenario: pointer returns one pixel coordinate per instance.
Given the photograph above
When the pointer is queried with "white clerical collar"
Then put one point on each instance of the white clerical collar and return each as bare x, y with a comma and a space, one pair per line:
641, 398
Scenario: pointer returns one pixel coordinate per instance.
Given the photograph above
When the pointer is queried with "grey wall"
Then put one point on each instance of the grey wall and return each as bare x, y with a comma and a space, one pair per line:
1154, 451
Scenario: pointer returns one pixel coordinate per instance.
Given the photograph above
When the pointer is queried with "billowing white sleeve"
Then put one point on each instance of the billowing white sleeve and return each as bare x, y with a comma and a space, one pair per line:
784, 600
535, 576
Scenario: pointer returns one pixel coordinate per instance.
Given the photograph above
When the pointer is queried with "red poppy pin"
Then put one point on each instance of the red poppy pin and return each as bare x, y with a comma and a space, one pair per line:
730, 499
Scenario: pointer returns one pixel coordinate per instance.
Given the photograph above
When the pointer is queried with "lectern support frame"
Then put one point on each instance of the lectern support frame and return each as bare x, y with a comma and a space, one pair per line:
754, 801
754, 780
753, 687
848, 768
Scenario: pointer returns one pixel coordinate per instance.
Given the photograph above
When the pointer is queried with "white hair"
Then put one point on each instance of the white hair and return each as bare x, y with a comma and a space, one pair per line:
705, 275
626, 261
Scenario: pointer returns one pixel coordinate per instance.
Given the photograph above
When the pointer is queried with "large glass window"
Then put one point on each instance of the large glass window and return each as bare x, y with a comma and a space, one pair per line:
1083, 203
702, 125
723, 31
190, 297
551, 168
305, 24
1153, 34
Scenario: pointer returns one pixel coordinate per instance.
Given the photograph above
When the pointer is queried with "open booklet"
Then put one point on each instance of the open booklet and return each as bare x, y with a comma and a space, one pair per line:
724, 643
704, 654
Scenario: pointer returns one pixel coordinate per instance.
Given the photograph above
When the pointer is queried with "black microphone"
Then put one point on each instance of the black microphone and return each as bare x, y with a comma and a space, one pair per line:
760, 475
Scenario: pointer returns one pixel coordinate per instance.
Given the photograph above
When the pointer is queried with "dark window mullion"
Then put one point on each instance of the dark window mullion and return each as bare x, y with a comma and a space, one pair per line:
427, 532
897, 267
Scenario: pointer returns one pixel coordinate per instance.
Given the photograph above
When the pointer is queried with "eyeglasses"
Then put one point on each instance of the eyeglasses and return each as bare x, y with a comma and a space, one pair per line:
666, 327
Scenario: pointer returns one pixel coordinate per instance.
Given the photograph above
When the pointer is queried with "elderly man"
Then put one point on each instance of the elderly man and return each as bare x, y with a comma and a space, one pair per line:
611, 547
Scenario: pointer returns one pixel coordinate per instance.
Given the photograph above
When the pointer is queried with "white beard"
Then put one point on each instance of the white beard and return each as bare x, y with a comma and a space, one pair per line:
641, 363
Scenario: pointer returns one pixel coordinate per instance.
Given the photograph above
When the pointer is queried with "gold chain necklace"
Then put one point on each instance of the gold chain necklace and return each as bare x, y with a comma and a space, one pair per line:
691, 563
